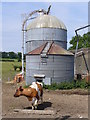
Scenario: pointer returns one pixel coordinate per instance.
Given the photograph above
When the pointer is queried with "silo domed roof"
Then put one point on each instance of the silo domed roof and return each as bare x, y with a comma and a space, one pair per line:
46, 21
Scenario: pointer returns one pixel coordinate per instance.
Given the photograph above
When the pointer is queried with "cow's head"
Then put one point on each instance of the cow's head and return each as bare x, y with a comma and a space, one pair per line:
18, 92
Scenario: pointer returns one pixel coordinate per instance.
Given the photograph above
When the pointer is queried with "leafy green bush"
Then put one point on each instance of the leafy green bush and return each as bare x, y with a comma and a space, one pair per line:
18, 67
81, 84
15, 67
68, 85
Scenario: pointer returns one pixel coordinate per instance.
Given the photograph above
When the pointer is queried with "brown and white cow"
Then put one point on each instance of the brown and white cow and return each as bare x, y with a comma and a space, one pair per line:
34, 93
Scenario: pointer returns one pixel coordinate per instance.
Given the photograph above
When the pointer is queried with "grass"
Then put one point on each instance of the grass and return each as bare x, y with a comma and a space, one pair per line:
8, 71
8, 74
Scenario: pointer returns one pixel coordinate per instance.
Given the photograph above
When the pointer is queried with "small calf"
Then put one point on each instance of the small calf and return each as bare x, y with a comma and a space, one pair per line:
34, 93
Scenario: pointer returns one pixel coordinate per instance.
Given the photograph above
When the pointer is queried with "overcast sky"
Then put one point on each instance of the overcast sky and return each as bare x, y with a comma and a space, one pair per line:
74, 15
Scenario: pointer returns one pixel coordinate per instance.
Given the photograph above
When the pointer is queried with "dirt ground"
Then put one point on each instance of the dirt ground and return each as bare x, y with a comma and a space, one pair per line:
66, 103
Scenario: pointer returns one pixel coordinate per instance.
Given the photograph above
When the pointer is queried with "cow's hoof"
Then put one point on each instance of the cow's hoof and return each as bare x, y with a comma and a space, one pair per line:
33, 108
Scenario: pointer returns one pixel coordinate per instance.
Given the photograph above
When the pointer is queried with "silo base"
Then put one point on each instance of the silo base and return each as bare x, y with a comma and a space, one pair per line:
49, 81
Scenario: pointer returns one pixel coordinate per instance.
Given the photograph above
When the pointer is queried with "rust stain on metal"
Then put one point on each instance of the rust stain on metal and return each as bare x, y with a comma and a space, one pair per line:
38, 50
53, 50
56, 49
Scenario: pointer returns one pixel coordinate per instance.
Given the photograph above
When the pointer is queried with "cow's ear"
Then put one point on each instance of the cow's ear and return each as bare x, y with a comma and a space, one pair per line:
21, 88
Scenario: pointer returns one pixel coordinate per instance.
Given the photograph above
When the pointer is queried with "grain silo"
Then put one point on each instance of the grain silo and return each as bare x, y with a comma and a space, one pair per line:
45, 28
46, 44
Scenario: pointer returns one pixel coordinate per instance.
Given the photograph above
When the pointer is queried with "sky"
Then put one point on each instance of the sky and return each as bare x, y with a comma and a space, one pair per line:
73, 15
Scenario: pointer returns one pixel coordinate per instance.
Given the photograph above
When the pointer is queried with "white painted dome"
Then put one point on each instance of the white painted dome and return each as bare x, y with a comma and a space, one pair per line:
46, 21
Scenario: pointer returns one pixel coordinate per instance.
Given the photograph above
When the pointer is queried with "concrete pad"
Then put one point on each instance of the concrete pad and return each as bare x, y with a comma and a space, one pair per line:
40, 112
10, 82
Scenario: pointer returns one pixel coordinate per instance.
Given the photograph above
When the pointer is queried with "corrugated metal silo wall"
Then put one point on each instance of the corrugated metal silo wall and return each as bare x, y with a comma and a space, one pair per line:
57, 68
36, 37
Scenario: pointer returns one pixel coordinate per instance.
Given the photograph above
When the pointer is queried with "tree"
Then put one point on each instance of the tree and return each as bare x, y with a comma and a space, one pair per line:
5, 55
19, 56
13, 55
84, 41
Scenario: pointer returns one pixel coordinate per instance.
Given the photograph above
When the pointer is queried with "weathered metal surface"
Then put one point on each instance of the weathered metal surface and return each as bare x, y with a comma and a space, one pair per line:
46, 34
81, 62
61, 79
47, 73
59, 67
80, 67
36, 37
57, 50
37, 51
31, 45
53, 49
47, 81
29, 80
45, 21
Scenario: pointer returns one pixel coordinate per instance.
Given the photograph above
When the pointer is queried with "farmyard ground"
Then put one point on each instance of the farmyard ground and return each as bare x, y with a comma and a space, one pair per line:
64, 103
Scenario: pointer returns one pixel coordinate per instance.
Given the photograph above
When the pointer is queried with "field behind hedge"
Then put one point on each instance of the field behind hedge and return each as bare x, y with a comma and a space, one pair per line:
8, 71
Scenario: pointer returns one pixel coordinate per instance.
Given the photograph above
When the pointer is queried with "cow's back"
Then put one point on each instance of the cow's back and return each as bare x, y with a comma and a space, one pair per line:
33, 93
40, 88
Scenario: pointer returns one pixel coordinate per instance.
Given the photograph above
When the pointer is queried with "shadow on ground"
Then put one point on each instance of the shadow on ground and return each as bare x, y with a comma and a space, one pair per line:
41, 106
65, 117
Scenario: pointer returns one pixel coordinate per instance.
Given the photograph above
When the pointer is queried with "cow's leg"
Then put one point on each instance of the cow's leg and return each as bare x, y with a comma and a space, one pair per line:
33, 102
33, 107
36, 103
